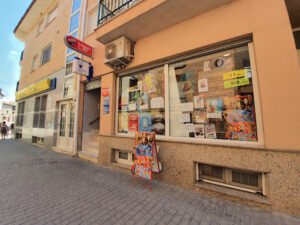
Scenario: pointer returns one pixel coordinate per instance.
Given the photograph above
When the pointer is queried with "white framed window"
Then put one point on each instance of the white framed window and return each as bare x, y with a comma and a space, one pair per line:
244, 180
40, 27
211, 98
46, 54
91, 22
34, 63
123, 157
52, 14
69, 87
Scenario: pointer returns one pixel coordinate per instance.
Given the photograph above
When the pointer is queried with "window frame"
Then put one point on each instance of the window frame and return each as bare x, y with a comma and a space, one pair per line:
39, 27
227, 179
39, 112
20, 114
119, 160
55, 8
167, 137
42, 54
34, 64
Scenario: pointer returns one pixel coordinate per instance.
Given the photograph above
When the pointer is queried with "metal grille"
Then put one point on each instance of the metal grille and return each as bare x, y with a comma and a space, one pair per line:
110, 8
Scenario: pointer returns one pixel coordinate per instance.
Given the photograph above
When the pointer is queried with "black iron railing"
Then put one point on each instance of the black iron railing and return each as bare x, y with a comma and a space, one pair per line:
110, 8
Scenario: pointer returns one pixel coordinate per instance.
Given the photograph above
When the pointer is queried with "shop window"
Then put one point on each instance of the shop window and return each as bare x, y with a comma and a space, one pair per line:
39, 116
46, 54
142, 102
233, 178
72, 119
209, 97
20, 114
52, 14
123, 157
34, 63
212, 97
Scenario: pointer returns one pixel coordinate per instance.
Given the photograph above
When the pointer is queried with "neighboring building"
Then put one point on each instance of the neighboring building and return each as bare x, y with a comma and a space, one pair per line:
46, 84
216, 80
8, 113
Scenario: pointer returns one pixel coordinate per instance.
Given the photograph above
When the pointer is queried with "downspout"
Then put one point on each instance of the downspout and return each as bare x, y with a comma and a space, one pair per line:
78, 82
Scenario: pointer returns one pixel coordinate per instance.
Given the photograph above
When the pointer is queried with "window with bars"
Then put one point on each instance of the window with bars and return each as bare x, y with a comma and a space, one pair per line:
39, 116
20, 114
46, 54
234, 178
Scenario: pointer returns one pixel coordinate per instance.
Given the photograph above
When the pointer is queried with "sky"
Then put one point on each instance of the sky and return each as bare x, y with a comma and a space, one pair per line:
10, 14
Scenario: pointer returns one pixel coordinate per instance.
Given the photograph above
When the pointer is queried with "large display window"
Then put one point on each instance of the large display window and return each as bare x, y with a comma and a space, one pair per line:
208, 97
142, 102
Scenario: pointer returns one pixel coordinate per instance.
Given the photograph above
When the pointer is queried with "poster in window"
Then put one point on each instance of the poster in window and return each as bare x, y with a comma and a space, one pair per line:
200, 116
124, 98
210, 131
158, 123
144, 102
241, 125
145, 122
214, 108
123, 122
132, 122
202, 85
157, 103
199, 131
206, 66
198, 102
149, 83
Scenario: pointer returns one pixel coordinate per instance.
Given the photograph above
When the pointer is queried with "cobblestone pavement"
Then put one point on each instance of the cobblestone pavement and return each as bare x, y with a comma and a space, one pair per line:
39, 186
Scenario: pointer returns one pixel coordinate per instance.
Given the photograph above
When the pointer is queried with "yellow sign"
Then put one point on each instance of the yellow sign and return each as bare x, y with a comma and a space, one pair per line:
236, 82
33, 89
234, 74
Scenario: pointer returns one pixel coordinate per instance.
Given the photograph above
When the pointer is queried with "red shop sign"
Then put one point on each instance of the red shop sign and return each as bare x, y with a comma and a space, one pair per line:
105, 92
78, 46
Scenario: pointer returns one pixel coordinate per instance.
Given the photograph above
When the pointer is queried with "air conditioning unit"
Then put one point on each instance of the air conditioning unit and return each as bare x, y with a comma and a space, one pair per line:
118, 53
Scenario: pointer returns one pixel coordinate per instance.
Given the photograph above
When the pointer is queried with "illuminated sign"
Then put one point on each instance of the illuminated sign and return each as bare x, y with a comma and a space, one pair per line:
78, 46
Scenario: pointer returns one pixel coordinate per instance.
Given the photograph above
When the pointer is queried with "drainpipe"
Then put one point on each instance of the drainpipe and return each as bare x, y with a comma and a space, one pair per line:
75, 150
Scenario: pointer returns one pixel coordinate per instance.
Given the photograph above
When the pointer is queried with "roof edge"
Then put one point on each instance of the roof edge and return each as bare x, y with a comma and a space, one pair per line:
25, 14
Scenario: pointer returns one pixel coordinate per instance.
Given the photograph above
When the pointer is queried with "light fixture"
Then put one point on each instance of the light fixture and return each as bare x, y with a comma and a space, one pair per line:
228, 54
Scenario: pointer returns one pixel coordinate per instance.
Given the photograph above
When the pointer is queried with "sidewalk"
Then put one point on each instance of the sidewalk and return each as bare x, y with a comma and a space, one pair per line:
38, 186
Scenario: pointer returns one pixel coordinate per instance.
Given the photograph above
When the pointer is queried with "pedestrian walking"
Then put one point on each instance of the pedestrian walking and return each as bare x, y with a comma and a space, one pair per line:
4, 129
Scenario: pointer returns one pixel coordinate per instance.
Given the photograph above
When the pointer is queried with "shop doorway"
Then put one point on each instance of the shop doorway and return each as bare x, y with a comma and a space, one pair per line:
65, 129
91, 119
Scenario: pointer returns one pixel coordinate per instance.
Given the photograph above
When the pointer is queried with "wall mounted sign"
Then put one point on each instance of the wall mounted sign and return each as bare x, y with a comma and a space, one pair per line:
105, 92
47, 84
78, 46
81, 67
236, 82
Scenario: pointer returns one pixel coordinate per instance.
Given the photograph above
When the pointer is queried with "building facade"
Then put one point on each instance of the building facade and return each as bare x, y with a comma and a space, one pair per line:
46, 94
215, 80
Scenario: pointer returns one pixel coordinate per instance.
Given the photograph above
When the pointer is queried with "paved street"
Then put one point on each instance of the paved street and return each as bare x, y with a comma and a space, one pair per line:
39, 186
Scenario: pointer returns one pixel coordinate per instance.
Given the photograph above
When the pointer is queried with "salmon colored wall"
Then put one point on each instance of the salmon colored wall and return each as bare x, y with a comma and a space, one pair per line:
53, 32
107, 121
275, 52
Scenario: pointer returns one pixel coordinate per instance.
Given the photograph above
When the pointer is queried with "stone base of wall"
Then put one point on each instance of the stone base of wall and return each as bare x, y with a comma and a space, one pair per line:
178, 161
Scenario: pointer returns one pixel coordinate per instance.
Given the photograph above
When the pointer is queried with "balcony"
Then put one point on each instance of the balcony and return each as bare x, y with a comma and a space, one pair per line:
137, 19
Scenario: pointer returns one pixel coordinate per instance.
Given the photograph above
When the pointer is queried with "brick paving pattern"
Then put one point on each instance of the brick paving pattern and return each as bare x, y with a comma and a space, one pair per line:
38, 186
